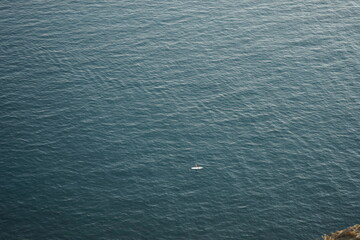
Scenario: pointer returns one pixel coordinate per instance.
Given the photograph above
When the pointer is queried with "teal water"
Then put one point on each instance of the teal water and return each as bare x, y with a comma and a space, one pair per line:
106, 105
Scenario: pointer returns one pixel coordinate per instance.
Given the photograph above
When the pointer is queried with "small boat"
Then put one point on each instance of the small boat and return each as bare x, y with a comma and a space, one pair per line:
196, 167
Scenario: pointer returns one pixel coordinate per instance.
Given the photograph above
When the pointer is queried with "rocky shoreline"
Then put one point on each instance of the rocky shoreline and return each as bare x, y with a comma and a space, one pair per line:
350, 233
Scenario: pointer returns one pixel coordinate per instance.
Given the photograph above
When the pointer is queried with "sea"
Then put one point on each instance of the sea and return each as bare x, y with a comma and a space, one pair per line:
106, 105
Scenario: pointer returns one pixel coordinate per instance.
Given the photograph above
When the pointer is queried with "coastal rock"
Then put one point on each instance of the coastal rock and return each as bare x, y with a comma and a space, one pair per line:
350, 233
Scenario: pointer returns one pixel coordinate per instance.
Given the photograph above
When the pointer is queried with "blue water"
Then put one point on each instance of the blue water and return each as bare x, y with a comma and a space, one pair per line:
106, 105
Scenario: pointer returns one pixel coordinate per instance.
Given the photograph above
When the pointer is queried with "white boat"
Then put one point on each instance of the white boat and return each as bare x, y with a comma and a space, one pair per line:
196, 167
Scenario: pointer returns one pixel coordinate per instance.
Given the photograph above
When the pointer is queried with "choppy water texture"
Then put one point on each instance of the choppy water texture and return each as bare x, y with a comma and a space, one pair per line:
105, 106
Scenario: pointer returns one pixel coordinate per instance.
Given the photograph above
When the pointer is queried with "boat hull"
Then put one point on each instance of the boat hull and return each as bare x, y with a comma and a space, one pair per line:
196, 168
